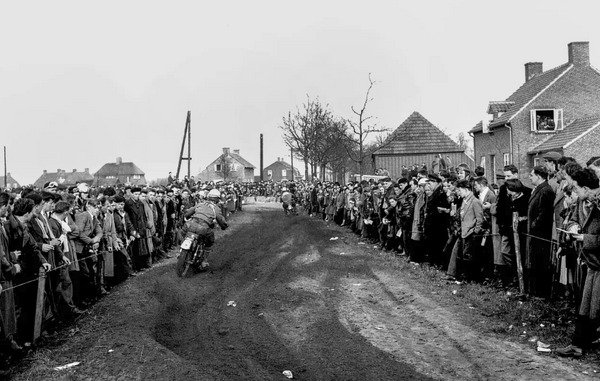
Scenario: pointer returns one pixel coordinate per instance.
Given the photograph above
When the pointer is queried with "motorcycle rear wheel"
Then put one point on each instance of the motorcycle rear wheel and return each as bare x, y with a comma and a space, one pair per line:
184, 263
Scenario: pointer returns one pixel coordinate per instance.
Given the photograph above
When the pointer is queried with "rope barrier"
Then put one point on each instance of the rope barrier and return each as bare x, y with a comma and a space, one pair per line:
46, 272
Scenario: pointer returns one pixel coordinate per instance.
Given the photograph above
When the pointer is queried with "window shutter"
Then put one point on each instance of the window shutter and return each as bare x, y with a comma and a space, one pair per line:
558, 119
533, 120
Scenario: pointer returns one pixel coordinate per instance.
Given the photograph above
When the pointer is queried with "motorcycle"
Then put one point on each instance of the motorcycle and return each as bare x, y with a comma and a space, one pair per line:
191, 255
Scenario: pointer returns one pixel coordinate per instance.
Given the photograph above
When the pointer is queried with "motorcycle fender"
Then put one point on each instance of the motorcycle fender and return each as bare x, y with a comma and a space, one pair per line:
187, 243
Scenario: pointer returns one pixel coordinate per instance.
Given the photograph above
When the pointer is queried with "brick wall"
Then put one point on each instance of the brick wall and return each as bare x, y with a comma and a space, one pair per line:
577, 93
496, 143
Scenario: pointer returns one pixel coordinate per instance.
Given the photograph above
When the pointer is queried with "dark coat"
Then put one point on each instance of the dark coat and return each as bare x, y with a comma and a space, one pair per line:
137, 214
436, 222
540, 213
590, 228
19, 239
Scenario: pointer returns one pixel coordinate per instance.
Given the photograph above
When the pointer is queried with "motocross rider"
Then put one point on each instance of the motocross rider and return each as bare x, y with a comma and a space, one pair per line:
203, 218
287, 198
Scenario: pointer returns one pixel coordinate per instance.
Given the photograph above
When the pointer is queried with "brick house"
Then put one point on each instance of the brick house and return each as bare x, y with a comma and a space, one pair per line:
64, 178
417, 141
552, 111
119, 173
280, 170
240, 169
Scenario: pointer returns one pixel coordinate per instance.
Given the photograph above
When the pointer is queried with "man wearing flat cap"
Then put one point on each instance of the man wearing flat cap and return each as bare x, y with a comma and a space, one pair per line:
436, 221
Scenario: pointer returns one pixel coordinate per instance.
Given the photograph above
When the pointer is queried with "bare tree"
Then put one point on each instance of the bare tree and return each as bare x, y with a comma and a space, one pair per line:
464, 143
224, 166
302, 131
359, 130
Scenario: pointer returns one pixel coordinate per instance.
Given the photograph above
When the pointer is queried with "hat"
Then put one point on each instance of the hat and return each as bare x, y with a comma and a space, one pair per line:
51, 185
464, 167
552, 155
385, 179
136, 189
434, 177
83, 188
422, 181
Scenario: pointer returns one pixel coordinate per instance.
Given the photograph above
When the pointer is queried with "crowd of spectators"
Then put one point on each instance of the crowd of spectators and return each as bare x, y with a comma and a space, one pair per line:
80, 241
472, 230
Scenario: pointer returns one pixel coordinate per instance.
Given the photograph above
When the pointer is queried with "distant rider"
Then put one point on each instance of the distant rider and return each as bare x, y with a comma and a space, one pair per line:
287, 198
203, 218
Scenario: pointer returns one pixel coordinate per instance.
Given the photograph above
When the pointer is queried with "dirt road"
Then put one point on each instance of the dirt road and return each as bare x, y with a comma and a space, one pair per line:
324, 309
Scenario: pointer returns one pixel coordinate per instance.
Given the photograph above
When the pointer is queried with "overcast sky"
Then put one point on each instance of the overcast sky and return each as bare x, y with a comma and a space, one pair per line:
82, 82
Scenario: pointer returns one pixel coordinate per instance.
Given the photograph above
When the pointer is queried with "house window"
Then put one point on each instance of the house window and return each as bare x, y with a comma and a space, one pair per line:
492, 172
269, 173
283, 173
233, 167
482, 161
537, 161
546, 120
218, 167
110, 177
137, 177
506, 158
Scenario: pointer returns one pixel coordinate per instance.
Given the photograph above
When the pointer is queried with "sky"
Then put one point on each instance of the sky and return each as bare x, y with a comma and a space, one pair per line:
82, 83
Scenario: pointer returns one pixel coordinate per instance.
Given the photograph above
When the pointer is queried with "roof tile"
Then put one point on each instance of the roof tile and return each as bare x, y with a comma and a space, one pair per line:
528, 91
571, 132
417, 135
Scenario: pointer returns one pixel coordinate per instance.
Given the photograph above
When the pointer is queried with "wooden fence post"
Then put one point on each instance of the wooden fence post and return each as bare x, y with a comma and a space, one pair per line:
518, 251
39, 305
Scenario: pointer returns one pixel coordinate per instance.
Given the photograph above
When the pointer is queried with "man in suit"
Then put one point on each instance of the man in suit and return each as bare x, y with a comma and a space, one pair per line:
465, 253
585, 228
436, 221
540, 211
505, 259
86, 246
487, 198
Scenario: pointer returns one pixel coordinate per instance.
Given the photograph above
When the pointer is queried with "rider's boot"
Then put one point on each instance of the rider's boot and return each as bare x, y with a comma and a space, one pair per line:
205, 259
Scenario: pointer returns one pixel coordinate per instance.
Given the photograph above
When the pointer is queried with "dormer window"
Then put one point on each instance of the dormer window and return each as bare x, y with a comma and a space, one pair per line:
546, 120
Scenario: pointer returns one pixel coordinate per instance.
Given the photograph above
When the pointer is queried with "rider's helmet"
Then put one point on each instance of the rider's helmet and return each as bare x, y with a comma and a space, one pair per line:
214, 195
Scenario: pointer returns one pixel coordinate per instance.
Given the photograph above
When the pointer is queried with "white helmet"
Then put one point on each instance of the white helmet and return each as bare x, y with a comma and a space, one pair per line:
214, 193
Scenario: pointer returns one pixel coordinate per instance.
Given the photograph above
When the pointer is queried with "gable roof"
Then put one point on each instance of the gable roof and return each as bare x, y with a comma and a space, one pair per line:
241, 160
570, 134
529, 91
417, 135
10, 180
478, 128
283, 165
64, 178
123, 169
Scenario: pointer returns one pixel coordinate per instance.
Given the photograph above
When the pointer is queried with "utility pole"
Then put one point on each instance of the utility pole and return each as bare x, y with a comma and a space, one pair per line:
186, 133
261, 157
5, 177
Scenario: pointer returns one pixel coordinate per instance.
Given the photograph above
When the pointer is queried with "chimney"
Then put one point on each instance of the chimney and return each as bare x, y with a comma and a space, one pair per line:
45, 171
119, 160
75, 170
226, 151
579, 53
236, 151
8, 174
532, 69
58, 170
87, 170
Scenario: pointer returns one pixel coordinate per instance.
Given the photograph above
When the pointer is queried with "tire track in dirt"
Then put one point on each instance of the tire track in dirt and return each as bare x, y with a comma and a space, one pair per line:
285, 317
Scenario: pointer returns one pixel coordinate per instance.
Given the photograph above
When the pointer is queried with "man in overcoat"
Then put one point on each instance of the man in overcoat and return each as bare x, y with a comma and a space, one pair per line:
539, 229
